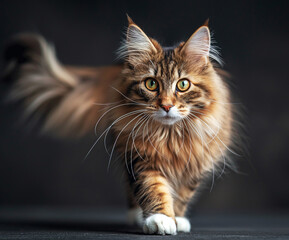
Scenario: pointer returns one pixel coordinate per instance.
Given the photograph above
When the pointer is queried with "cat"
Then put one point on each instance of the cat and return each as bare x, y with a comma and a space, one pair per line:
168, 109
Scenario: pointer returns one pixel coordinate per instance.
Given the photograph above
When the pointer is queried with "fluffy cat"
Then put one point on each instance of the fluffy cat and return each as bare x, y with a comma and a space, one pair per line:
168, 109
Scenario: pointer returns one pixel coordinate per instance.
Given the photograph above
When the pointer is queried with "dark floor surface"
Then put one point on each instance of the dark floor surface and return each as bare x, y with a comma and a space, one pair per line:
69, 223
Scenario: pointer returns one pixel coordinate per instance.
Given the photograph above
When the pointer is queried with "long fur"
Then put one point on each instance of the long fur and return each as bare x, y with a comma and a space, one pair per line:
164, 164
167, 164
67, 100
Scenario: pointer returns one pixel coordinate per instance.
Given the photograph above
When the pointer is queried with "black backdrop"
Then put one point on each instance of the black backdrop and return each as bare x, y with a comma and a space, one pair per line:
253, 36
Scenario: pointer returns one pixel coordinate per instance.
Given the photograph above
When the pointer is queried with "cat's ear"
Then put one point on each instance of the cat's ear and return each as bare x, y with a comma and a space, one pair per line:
137, 46
197, 47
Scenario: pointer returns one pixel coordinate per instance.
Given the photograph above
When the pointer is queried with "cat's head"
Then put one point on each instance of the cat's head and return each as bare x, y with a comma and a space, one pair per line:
169, 84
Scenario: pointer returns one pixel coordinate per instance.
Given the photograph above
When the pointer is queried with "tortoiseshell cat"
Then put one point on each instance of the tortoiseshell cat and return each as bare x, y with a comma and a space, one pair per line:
167, 108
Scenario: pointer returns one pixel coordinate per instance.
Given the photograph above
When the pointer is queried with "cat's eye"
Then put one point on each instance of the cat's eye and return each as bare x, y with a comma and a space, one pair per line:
151, 84
183, 85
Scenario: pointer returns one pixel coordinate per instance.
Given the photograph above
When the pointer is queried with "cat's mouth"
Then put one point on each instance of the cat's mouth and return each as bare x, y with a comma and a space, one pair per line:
167, 120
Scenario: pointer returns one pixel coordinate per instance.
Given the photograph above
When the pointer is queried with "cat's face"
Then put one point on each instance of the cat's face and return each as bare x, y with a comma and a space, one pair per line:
168, 90
170, 84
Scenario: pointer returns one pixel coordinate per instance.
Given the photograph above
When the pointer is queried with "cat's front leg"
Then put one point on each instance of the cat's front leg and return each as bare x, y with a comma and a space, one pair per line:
153, 195
183, 196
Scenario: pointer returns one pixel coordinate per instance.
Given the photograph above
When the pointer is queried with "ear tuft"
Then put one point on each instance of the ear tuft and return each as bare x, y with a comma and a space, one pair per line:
130, 21
206, 23
198, 47
137, 47
199, 43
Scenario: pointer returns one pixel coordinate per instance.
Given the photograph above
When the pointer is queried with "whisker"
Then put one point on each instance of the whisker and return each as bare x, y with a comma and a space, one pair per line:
190, 137
128, 97
112, 108
143, 136
210, 154
230, 150
111, 154
224, 160
213, 132
107, 104
118, 119
126, 147
197, 112
149, 138
133, 137
213, 100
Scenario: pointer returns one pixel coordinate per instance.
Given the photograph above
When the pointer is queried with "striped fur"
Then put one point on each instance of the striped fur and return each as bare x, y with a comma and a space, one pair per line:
165, 163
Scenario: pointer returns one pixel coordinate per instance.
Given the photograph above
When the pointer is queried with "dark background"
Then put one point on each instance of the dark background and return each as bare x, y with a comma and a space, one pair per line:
253, 36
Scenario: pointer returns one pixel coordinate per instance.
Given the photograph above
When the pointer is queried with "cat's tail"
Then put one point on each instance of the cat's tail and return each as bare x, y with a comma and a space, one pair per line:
65, 100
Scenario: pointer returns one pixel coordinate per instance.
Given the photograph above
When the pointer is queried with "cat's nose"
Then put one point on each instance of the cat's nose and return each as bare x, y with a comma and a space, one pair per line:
167, 107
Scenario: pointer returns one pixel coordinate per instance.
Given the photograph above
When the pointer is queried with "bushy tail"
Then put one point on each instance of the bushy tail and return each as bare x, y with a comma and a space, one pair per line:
61, 98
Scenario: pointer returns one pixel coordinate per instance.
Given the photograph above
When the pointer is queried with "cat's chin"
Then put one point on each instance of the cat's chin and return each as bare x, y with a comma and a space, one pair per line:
167, 120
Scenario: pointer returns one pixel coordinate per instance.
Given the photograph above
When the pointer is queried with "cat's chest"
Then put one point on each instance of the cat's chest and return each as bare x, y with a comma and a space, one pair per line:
175, 153
178, 157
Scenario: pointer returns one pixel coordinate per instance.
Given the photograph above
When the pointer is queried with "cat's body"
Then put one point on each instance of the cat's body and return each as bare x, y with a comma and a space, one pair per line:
168, 109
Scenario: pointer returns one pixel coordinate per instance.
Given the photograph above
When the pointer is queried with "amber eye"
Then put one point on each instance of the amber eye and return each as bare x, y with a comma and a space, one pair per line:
183, 85
151, 84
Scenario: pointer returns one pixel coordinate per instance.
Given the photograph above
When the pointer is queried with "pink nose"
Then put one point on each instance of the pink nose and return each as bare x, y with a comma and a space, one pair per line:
167, 107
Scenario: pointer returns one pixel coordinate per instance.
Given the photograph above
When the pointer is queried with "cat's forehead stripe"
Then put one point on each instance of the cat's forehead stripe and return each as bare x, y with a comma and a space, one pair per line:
167, 67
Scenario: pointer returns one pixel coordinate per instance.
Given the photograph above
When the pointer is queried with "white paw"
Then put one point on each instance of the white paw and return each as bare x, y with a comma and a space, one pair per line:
183, 224
135, 216
160, 224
